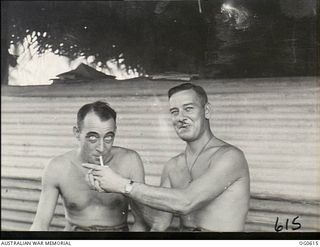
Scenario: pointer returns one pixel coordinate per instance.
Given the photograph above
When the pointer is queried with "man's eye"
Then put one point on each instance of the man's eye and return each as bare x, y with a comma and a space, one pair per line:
189, 108
174, 113
108, 139
92, 138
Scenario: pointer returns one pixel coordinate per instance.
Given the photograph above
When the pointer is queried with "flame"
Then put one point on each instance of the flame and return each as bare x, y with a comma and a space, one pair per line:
39, 69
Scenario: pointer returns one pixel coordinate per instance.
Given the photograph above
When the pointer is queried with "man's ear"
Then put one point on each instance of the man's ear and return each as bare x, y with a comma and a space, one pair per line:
76, 132
207, 110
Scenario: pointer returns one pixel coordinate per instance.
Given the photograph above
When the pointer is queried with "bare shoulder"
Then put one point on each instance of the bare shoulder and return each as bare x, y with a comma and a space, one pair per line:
62, 160
232, 157
125, 154
235, 154
58, 164
128, 162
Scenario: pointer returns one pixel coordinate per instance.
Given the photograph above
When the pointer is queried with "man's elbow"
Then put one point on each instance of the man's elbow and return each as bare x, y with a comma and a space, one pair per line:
185, 206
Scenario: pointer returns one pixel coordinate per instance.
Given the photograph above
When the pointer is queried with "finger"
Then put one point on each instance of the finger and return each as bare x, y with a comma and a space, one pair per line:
100, 173
91, 166
97, 186
91, 181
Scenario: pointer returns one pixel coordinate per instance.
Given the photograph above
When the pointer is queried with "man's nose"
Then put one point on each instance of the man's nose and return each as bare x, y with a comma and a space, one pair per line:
100, 146
181, 116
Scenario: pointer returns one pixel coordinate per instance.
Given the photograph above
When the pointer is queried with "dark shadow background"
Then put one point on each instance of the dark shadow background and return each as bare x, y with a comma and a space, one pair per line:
257, 38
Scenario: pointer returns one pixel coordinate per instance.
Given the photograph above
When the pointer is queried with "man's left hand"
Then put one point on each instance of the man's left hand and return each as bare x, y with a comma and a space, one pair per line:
107, 179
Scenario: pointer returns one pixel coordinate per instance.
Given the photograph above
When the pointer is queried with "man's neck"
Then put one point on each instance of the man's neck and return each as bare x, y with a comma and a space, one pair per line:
196, 145
79, 157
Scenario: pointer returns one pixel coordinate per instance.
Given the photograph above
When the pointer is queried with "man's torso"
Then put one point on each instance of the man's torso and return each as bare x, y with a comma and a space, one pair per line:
227, 212
86, 207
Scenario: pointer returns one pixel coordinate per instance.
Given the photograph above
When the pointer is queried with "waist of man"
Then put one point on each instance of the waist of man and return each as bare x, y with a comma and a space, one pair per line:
98, 228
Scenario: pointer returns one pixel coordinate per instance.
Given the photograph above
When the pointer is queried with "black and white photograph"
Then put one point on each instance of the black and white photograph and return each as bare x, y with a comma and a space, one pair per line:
168, 119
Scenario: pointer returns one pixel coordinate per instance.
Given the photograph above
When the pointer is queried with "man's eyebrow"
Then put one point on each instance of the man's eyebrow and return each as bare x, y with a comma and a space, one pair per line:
110, 133
92, 133
173, 108
187, 104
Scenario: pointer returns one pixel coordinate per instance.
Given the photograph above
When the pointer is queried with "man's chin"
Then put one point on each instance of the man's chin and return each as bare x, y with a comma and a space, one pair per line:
185, 137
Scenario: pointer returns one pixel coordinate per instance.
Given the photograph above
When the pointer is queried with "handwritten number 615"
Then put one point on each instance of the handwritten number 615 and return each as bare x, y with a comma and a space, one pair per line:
279, 227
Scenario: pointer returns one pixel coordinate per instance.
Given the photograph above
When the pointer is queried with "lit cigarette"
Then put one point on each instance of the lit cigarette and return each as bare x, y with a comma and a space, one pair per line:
101, 161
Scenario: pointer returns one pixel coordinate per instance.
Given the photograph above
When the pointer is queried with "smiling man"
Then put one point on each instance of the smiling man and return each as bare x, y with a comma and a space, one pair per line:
85, 208
207, 185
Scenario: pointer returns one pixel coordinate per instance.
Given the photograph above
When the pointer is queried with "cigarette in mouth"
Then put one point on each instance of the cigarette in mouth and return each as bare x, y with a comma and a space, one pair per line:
101, 161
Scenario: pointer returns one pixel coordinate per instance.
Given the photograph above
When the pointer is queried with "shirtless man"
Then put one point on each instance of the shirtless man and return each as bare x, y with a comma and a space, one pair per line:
208, 184
85, 208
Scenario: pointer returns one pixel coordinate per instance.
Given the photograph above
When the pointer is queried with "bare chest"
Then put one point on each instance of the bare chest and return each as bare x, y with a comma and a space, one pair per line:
182, 174
77, 194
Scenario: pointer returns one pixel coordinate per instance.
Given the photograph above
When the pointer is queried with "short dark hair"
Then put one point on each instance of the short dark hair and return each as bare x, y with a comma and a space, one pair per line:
101, 108
186, 86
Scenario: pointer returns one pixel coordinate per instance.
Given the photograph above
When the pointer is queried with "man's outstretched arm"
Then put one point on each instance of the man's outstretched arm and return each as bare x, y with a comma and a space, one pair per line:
199, 192
220, 175
158, 220
48, 200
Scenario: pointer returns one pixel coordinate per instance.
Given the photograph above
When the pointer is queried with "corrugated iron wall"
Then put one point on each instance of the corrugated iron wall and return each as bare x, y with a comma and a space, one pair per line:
274, 121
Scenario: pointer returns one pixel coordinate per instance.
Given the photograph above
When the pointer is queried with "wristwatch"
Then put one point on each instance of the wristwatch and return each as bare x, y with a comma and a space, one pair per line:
128, 187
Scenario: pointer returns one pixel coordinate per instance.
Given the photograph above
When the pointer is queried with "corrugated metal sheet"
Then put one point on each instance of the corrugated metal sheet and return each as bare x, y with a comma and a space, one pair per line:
274, 121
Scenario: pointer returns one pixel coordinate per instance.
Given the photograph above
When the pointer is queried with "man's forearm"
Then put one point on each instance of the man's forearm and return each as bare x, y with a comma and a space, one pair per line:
166, 199
170, 200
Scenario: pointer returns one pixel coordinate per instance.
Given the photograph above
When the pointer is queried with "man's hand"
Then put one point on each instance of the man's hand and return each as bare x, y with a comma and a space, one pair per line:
104, 178
93, 184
